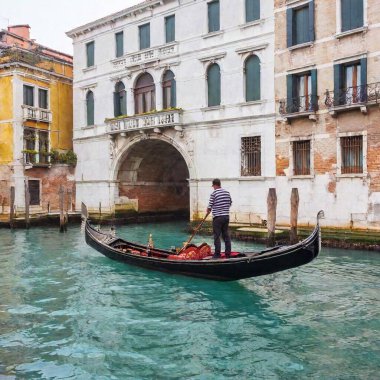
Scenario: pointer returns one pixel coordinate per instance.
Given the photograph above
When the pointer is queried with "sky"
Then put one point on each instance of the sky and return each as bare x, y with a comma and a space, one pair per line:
51, 19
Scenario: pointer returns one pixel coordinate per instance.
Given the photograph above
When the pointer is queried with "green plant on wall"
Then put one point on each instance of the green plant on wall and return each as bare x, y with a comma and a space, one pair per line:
68, 158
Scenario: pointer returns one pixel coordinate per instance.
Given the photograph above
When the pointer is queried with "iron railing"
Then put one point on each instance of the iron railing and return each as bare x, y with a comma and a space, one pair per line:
299, 104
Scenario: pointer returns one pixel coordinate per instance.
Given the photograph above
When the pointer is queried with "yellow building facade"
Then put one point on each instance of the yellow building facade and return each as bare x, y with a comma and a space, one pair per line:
36, 122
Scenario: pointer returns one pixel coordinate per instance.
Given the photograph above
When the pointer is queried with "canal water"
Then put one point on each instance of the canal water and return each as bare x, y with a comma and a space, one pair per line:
67, 312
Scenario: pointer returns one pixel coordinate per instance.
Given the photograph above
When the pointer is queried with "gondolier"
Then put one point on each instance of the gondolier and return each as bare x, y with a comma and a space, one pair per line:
219, 204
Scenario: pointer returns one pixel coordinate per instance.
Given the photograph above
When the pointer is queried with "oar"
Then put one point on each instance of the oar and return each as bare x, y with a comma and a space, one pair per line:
195, 231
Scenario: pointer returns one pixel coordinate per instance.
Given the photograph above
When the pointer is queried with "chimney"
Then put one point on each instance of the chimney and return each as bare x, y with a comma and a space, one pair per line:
20, 30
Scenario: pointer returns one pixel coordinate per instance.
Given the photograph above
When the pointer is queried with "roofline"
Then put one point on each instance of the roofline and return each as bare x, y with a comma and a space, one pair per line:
127, 12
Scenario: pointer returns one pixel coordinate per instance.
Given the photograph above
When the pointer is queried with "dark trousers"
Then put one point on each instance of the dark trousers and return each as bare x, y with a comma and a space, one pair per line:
220, 227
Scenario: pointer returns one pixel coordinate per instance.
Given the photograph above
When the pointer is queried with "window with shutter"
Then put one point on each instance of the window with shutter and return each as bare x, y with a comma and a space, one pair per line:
43, 98
300, 24
213, 85
90, 108
213, 16
119, 42
170, 28
145, 94
252, 78
352, 14
169, 90
120, 100
252, 10
28, 96
90, 51
144, 36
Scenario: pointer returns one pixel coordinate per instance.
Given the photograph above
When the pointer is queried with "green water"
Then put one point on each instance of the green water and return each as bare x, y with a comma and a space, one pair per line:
67, 312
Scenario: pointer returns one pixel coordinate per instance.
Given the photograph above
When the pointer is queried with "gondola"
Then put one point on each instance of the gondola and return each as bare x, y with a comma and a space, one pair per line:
239, 266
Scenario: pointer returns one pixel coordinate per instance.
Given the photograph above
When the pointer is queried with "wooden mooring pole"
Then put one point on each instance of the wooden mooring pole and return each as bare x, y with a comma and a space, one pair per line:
62, 219
271, 223
12, 207
27, 204
294, 203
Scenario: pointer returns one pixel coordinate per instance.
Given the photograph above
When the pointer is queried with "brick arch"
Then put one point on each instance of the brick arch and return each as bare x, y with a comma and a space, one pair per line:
153, 173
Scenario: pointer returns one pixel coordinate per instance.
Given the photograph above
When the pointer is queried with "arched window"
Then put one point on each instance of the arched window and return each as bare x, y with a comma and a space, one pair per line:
120, 99
213, 85
90, 108
145, 96
252, 78
169, 90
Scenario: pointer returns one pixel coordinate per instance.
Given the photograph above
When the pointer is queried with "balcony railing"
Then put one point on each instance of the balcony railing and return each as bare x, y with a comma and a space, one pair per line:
351, 96
300, 104
146, 55
158, 120
36, 158
38, 114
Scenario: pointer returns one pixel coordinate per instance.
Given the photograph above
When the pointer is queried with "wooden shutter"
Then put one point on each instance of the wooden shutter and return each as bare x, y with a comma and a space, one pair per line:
213, 81
213, 16
314, 89
252, 78
338, 84
119, 39
290, 92
357, 14
363, 77
289, 27
301, 21
173, 95
170, 28
311, 21
252, 10
90, 108
90, 54
144, 31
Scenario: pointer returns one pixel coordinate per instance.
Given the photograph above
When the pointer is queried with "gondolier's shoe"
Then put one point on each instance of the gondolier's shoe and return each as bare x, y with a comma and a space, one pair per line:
216, 256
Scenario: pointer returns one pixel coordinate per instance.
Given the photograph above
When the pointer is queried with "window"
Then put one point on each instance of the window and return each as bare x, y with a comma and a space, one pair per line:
43, 99
145, 94
213, 85
252, 10
169, 90
350, 82
90, 108
302, 92
119, 43
352, 154
34, 192
213, 16
251, 156
120, 100
300, 24
352, 13
144, 36
28, 95
36, 146
301, 157
90, 51
170, 28
252, 78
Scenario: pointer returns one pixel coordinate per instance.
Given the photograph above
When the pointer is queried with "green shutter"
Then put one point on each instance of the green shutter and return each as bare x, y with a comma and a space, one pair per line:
213, 82
301, 21
119, 39
116, 104
90, 48
363, 78
213, 16
144, 34
290, 89
170, 28
252, 78
252, 10
289, 27
338, 84
90, 108
173, 95
357, 14
314, 90
311, 21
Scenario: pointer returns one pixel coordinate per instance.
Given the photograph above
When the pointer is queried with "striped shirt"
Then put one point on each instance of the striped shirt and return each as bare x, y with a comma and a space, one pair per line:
220, 202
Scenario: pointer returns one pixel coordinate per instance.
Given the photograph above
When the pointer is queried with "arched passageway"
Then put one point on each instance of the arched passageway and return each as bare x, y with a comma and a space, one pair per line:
155, 174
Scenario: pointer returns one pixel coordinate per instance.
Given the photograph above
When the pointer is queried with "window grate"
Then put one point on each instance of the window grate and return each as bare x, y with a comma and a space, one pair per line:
251, 156
352, 154
301, 157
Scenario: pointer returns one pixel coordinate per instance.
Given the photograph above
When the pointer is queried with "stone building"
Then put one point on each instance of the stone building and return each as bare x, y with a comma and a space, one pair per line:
169, 95
327, 87
35, 119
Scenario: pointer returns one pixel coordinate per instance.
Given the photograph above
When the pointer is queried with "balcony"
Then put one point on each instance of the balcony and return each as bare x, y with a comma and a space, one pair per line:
37, 114
299, 107
146, 56
153, 121
33, 158
352, 98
